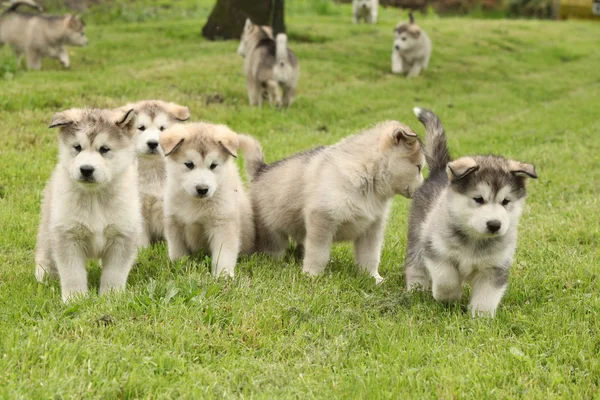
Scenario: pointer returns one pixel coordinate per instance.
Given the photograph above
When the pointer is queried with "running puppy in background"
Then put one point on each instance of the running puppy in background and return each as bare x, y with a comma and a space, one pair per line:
206, 205
91, 206
37, 36
335, 193
271, 67
154, 116
366, 10
463, 223
412, 49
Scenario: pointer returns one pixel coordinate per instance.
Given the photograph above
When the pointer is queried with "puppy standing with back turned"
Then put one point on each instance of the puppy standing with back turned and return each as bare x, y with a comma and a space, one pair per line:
154, 116
206, 205
412, 49
271, 68
91, 206
37, 36
463, 223
335, 193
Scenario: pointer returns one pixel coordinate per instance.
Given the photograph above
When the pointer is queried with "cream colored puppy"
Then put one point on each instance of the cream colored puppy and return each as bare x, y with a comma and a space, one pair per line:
91, 206
154, 116
335, 193
206, 205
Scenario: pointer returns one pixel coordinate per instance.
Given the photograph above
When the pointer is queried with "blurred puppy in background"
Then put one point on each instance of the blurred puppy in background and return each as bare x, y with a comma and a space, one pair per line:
37, 35
366, 10
412, 49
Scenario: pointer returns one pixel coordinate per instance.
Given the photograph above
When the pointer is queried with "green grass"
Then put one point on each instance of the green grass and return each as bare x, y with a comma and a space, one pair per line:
524, 89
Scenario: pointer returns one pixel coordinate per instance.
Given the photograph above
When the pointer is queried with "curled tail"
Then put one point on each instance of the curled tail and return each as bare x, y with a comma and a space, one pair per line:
281, 52
14, 4
436, 154
253, 155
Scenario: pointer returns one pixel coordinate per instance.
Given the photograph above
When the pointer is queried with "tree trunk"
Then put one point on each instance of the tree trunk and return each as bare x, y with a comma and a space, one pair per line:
227, 19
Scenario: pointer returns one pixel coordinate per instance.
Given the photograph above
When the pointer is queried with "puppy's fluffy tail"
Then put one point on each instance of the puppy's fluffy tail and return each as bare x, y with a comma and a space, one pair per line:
436, 154
253, 155
14, 4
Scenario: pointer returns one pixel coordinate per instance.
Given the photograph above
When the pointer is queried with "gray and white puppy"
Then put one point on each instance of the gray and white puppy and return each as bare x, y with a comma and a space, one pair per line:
366, 10
37, 36
271, 68
412, 49
335, 193
463, 223
91, 206
154, 117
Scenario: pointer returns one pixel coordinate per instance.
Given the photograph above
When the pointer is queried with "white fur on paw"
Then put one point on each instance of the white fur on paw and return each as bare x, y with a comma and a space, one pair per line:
378, 279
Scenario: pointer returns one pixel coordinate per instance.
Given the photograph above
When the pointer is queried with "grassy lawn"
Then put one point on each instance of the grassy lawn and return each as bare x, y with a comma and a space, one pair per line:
523, 89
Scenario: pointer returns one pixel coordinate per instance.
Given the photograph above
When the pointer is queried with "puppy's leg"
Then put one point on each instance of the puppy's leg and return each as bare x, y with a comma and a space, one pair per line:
288, 96
446, 280
145, 236
44, 263
417, 276
488, 287
367, 249
34, 60
373, 15
224, 248
254, 93
63, 58
174, 232
317, 246
397, 66
117, 261
415, 70
274, 93
70, 262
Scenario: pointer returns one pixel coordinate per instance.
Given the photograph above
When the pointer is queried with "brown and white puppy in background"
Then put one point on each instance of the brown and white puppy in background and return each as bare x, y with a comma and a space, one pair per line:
37, 36
154, 116
271, 68
366, 10
206, 205
335, 193
412, 49
91, 207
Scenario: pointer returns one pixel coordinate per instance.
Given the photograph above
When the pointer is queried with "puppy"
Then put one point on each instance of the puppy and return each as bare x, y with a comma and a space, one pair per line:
412, 49
91, 207
335, 193
271, 68
154, 116
366, 10
206, 206
38, 36
463, 223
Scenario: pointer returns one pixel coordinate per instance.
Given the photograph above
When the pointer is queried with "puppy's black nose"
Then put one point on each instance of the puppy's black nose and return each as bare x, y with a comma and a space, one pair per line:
152, 144
86, 170
397, 47
494, 225
202, 190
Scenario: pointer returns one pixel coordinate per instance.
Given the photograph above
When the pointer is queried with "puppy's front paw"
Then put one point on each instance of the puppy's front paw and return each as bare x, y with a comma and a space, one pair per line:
483, 311
378, 279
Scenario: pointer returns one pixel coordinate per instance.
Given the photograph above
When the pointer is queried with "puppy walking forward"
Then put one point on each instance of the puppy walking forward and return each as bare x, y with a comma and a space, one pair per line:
206, 206
91, 207
335, 193
463, 223
412, 49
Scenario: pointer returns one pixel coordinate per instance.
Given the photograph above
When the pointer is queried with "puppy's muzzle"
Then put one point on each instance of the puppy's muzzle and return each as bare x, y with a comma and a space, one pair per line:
494, 225
397, 48
87, 173
202, 190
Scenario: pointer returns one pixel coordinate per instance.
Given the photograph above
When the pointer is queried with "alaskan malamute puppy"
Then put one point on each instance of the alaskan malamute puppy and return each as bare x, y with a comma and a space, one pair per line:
91, 206
271, 67
335, 193
37, 36
463, 223
412, 49
206, 205
154, 116
366, 10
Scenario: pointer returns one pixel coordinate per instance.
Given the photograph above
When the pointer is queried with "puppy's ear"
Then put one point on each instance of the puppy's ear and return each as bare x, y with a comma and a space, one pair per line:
172, 138
228, 140
180, 113
460, 168
524, 170
126, 119
411, 17
65, 118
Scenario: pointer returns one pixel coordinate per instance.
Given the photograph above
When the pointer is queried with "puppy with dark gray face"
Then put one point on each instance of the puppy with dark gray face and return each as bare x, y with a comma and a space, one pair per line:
463, 223
412, 49
154, 117
206, 205
335, 193
91, 206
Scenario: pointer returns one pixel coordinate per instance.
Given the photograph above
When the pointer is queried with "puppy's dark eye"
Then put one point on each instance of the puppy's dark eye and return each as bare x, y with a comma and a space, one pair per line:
505, 202
479, 200
213, 166
404, 39
162, 128
189, 164
141, 128
104, 150
77, 148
